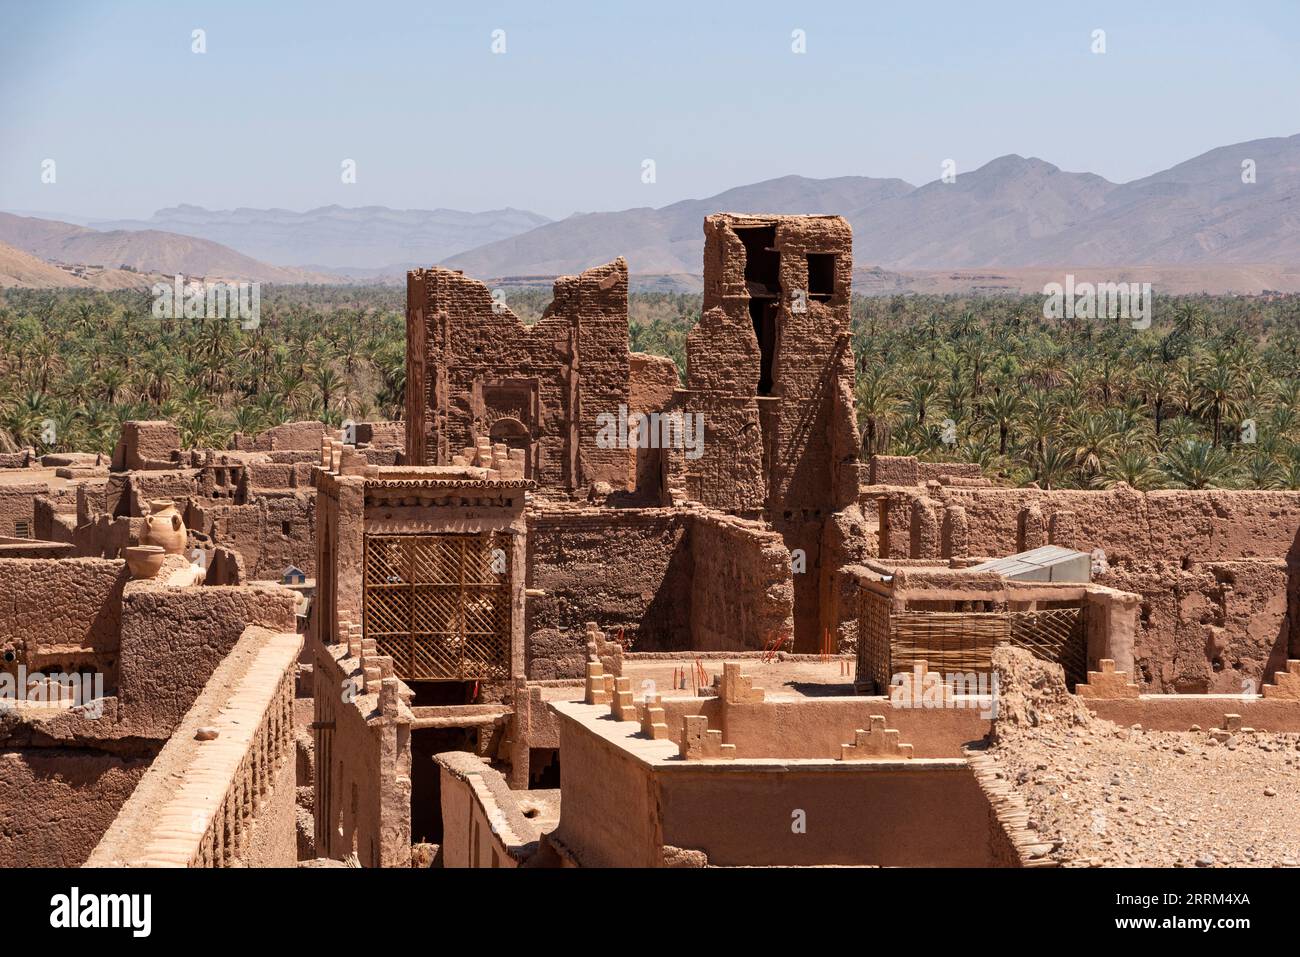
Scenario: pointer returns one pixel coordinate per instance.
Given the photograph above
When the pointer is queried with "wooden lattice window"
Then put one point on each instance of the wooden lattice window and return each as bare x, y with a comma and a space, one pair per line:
440, 604
1055, 634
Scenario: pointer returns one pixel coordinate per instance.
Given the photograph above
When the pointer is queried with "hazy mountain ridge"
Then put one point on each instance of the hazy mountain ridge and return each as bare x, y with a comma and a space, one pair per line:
144, 251
362, 237
1011, 212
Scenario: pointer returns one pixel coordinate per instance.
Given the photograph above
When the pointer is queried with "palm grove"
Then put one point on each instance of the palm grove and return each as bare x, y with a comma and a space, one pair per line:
1207, 397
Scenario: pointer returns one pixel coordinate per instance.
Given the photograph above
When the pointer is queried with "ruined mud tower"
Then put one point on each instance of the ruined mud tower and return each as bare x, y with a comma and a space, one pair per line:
769, 375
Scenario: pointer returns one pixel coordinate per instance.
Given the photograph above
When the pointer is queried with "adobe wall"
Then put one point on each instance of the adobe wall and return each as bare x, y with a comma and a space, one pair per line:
885, 814
669, 579
362, 802
62, 612
1215, 569
651, 382
270, 533
172, 639
818, 727
56, 804
742, 595
628, 569
225, 800
18, 507
609, 815
146, 445
473, 366
482, 824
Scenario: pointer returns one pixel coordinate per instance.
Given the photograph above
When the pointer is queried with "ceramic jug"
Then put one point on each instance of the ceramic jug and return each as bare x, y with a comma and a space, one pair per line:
164, 527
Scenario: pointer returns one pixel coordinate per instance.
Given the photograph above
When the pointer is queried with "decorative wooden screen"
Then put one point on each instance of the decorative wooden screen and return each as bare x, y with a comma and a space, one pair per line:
440, 604
1054, 634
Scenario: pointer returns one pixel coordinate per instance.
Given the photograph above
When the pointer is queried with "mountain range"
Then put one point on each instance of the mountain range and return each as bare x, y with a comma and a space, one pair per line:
363, 237
1205, 223
143, 251
1011, 212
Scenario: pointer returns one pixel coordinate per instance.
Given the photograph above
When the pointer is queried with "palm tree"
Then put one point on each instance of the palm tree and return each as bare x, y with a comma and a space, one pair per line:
876, 402
1132, 467
1001, 410
1197, 464
1217, 395
1051, 467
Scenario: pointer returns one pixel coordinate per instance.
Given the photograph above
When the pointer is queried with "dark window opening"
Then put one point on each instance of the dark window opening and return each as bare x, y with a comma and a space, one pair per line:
763, 313
425, 693
762, 261
763, 283
543, 768
286, 527
22, 530
821, 276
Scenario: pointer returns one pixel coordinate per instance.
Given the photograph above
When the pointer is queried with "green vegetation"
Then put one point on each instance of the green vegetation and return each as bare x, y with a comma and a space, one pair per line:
1066, 404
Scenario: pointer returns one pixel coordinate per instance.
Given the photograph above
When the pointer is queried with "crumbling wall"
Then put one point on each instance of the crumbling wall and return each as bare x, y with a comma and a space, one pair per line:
147, 445
1217, 570
628, 570
270, 533
474, 370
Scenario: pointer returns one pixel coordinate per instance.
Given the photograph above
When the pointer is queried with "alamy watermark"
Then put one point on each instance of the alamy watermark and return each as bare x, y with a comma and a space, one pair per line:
651, 430
209, 300
1103, 300
55, 690
930, 689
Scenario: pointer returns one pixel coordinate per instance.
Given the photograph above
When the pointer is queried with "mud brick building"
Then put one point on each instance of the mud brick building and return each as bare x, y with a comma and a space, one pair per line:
769, 378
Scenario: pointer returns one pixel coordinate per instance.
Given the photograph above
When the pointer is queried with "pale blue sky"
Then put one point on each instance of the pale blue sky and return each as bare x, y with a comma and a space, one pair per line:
562, 121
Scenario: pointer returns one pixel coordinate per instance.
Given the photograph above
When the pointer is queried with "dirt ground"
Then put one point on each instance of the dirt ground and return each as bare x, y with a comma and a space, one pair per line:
1108, 796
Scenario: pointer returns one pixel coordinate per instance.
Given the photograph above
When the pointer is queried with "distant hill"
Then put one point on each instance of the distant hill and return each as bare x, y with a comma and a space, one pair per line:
667, 240
364, 237
144, 251
1012, 212
22, 269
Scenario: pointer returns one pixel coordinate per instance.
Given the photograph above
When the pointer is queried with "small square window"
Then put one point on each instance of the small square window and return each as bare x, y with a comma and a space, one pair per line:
821, 276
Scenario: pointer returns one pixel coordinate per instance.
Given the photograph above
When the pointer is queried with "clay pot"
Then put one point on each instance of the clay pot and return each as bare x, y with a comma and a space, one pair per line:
164, 527
144, 560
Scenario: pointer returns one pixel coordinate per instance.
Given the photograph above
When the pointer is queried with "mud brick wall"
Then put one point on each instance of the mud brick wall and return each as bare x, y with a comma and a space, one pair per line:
652, 380
56, 804
18, 507
1212, 628
742, 596
729, 473
1133, 526
470, 365
305, 435
146, 487
809, 442
54, 608
173, 639
626, 568
894, 470
1217, 570
146, 445
270, 533
236, 797
362, 799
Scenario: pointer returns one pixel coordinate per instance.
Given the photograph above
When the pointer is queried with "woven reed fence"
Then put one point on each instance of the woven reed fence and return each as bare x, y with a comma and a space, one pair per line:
891, 643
